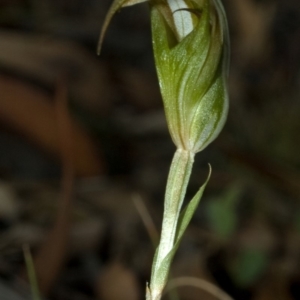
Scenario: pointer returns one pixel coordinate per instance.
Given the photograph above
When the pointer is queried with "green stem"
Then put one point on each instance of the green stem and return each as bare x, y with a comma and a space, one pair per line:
31, 273
178, 179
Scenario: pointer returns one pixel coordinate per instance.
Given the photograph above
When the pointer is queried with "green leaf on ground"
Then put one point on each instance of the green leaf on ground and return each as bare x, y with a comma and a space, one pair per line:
222, 213
248, 266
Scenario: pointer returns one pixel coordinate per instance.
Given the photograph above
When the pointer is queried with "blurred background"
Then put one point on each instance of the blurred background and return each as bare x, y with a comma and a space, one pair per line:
85, 152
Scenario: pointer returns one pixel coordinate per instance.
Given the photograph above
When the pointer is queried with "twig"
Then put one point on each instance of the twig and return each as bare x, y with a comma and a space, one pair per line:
51, 256
146, 218
198, 283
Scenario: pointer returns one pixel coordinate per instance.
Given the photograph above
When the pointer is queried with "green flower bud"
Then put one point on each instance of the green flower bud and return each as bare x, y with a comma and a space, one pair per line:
189, 40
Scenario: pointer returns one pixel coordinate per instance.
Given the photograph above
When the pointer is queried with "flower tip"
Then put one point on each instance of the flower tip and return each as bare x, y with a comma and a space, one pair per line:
101, 37
99, 46
116, 5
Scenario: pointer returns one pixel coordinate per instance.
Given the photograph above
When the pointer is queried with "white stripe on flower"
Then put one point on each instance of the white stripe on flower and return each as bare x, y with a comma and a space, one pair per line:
182, 18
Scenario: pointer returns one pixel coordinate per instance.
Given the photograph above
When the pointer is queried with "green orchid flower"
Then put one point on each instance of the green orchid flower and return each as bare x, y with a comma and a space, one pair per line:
190, 42
191, 62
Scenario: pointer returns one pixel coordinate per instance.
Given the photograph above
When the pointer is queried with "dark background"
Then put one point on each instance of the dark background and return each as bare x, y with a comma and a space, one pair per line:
113, 148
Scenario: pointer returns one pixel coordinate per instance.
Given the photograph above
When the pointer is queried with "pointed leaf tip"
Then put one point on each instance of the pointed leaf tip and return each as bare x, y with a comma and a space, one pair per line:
116, 5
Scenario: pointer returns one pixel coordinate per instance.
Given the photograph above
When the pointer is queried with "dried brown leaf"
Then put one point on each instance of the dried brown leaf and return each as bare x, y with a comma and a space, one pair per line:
30, 113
